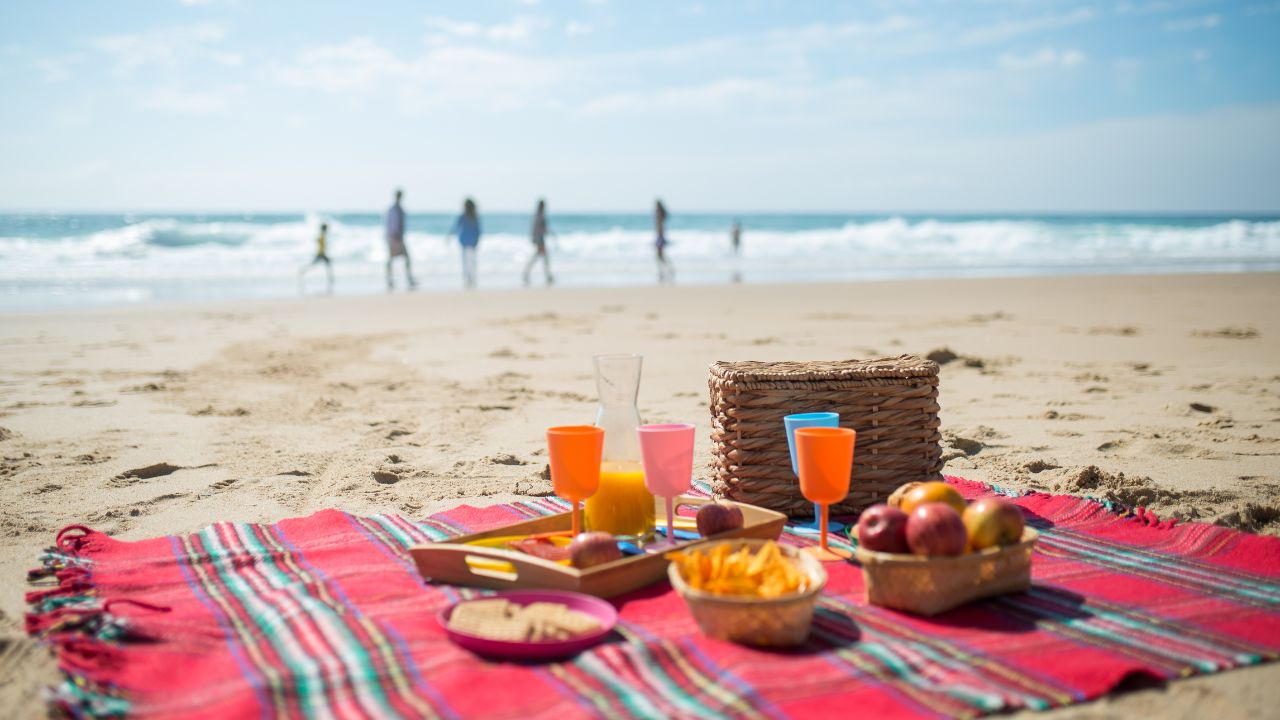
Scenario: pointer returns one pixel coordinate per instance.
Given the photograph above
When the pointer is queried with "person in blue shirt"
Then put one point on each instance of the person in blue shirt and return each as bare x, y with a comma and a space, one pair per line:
467, 228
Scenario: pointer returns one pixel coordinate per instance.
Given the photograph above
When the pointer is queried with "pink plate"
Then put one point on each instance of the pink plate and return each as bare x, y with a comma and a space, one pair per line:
593, 606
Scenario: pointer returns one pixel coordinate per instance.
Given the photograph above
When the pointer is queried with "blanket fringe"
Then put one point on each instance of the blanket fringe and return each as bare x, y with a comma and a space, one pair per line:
69, 617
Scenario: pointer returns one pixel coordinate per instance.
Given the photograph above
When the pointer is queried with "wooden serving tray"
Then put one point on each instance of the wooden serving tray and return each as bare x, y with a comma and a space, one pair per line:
457, 563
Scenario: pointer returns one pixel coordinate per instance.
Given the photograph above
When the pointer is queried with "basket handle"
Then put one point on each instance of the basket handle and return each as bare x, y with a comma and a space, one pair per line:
485, 567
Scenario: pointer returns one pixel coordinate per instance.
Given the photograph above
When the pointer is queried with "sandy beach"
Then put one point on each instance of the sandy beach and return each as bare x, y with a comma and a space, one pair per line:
1162, 391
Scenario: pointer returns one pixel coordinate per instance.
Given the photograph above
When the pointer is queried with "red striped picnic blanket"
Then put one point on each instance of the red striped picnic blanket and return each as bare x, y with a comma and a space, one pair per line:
325, 616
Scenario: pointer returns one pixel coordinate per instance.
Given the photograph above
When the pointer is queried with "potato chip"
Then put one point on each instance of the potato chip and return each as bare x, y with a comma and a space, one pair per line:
767, 573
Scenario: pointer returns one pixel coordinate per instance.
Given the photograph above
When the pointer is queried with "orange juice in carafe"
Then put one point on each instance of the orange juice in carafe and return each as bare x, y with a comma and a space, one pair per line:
622, 504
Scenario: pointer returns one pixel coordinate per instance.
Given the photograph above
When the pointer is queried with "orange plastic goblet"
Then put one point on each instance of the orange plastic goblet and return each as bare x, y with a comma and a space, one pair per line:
825, 457
574, 451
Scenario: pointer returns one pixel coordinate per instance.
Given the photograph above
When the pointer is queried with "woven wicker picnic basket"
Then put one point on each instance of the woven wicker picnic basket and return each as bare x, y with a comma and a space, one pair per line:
892, 403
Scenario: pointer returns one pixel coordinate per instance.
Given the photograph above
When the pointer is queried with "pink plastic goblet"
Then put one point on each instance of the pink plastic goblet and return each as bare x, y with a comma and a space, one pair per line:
667, 453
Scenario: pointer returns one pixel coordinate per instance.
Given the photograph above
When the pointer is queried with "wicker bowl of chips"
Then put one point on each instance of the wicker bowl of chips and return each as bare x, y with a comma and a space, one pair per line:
769, 619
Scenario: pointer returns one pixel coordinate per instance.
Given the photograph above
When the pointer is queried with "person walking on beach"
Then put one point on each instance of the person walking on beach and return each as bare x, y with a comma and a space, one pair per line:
538, 235
735, 243
666, 272
321, 257
395, 243
467, 228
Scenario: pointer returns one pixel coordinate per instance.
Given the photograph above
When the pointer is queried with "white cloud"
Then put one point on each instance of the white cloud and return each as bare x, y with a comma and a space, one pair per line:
357, 64
710, 96
1008, 29
517, 29
575, 27
1206, 22
1155, 6
1201, 55
187, 103
1043, 58
164, 47
825, 32
229, 59
55, 69
447, 75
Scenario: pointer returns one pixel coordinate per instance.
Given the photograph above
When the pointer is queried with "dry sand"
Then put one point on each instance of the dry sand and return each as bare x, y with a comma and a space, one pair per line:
142, 421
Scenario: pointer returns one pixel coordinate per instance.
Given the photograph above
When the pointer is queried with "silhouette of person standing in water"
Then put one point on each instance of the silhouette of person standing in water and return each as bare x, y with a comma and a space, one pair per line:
322, 256
538, 236
467, 228
666, 272
735, 242
395, 243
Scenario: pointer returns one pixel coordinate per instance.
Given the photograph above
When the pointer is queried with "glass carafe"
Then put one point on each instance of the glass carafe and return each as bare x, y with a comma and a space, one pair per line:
622, 505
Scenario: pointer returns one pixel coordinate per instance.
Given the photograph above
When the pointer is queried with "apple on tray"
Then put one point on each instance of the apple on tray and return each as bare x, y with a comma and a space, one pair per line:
715, 518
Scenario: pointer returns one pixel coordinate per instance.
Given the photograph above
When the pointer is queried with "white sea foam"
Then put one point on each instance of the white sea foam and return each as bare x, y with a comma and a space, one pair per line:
184, 257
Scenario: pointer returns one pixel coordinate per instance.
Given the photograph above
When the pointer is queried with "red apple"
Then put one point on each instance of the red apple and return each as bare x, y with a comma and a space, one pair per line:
883, 529
715, 518
935, 528
993, 521
593, 548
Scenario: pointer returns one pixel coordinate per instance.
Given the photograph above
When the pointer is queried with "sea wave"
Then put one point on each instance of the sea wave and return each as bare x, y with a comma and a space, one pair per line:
221, 252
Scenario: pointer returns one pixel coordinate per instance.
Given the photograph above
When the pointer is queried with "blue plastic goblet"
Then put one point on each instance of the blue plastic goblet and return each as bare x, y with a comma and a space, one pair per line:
800, 420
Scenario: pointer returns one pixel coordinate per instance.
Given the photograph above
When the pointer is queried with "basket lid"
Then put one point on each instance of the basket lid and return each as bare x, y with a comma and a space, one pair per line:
902, 366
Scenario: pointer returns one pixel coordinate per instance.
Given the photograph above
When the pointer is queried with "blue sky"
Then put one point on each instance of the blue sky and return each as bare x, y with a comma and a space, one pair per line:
1163, 105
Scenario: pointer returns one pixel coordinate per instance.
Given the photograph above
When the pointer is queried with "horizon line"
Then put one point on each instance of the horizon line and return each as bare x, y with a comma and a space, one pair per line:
575, 211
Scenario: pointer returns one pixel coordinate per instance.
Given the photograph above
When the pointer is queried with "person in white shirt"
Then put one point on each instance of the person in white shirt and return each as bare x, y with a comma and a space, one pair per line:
395, 243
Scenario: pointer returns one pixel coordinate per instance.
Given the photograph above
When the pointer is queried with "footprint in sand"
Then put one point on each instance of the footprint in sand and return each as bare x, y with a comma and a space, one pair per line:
385, 477
1118, 331
150, 471
1228, 333
942, 355
504, 459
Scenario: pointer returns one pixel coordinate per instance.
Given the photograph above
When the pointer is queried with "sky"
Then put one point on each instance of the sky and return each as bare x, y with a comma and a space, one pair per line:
603, 105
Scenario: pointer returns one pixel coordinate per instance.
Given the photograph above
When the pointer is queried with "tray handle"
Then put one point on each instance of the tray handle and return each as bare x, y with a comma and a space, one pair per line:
484, 567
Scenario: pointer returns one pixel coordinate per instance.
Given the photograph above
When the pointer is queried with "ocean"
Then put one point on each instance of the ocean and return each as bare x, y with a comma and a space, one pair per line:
52, 261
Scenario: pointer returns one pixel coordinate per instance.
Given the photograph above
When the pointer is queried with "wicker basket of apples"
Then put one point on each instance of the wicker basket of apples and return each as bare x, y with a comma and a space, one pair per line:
928, 551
